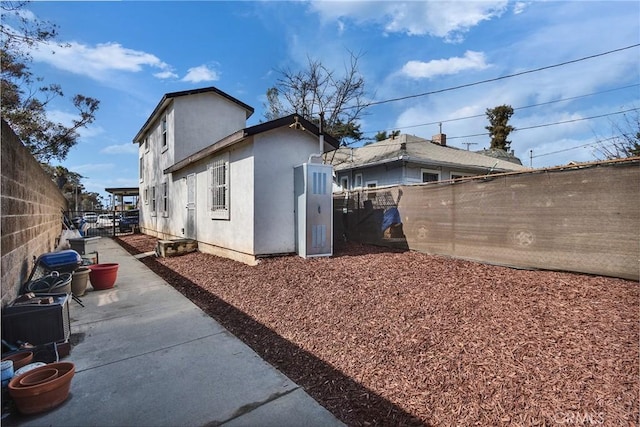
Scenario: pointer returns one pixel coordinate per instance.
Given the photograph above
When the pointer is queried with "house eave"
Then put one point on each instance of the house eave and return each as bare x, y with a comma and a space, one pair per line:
225, 142
404, 158
240, 135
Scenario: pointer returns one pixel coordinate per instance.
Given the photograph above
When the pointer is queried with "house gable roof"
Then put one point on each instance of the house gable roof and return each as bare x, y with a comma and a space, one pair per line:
168, 98
292, 121
414, 149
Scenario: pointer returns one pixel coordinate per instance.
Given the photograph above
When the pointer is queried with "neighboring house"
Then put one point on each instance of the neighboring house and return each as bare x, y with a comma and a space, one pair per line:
204, 175
408, 159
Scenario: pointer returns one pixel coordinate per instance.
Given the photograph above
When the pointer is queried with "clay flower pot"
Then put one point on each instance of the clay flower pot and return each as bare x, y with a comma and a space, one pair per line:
103, 276
20, 359
38, 376
80, 281
47, 395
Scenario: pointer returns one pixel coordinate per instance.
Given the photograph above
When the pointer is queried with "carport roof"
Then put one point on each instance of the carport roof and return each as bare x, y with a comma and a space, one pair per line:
123, 191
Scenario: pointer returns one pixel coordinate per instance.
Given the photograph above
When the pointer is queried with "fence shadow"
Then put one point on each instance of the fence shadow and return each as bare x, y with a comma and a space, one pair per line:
348, 400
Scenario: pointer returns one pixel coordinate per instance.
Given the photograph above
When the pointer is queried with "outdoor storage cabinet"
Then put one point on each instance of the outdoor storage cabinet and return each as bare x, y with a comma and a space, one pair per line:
313, 209
37, 323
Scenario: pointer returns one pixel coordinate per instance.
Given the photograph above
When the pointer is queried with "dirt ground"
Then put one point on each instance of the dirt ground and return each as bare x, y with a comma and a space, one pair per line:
384, 337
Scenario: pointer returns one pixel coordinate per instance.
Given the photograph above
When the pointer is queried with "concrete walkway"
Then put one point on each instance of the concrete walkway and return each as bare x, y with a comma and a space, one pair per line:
149, 357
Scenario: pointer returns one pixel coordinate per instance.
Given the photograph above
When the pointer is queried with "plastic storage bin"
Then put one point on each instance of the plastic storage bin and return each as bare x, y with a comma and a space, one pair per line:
84, 245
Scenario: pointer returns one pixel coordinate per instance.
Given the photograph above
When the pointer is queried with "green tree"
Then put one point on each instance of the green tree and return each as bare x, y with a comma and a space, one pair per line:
499, 128
70, 185
382, 135
24, 97
315, 90
625, 139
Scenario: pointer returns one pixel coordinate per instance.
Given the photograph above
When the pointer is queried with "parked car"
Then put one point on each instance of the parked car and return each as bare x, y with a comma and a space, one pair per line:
76, 221
129, 220
90, 217
106, 221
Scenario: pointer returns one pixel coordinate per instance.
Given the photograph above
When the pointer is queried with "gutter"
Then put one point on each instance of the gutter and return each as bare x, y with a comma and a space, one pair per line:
218, 146
408, 159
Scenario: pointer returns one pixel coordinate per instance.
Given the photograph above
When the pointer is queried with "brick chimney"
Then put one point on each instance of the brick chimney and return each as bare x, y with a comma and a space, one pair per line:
440, 139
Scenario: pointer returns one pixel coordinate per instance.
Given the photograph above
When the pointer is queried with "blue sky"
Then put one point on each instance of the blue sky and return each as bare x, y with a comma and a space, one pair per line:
128, 54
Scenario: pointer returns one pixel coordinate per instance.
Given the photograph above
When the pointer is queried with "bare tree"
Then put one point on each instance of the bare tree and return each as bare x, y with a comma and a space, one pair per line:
317, 90
625, 141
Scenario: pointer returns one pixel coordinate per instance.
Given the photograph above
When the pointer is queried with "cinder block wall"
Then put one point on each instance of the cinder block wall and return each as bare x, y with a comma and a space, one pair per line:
31, 213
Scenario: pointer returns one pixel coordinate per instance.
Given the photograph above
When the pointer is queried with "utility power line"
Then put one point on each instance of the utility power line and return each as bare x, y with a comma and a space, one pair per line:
496, 78
590, 144
548, 124
515, 108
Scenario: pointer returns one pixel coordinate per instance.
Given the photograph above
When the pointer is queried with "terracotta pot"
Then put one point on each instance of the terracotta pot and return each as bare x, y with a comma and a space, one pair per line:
38, 377
45, 396
80, 281
103, 276
20, 359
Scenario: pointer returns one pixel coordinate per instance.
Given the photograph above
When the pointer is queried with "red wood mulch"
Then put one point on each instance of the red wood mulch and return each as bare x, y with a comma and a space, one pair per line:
382, 337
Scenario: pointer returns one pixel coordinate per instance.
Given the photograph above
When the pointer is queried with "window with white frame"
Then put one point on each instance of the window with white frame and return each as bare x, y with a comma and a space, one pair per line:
344, 182
430, 175
218, 187
153, 200
141, 169
164, 133
358, 181
165, 198
145, 195
146, 144
371, 195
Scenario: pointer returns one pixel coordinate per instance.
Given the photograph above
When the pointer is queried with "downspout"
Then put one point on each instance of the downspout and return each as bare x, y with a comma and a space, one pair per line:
320, 140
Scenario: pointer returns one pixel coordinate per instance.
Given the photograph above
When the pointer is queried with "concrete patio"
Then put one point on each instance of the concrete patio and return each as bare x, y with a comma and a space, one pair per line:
147, 356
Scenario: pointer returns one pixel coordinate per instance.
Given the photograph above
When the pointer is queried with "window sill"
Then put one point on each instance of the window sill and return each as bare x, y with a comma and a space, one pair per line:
220, 216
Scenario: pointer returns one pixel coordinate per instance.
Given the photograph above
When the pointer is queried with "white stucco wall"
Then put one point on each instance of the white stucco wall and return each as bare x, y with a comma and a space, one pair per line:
261, 220
155, 160
193, 122
235, 233
203, 119
277, 152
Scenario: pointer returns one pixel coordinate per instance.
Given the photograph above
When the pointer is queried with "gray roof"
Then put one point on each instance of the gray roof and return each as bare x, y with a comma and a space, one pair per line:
414, 149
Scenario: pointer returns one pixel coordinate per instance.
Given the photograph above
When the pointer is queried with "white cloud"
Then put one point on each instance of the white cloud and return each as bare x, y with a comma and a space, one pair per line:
447, 20
97, 61
120, 149
201, 73
519, 7
439, 67
166, 75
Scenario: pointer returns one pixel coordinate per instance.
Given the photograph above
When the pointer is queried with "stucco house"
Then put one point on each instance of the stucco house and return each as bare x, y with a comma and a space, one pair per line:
205, 176
408, 159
